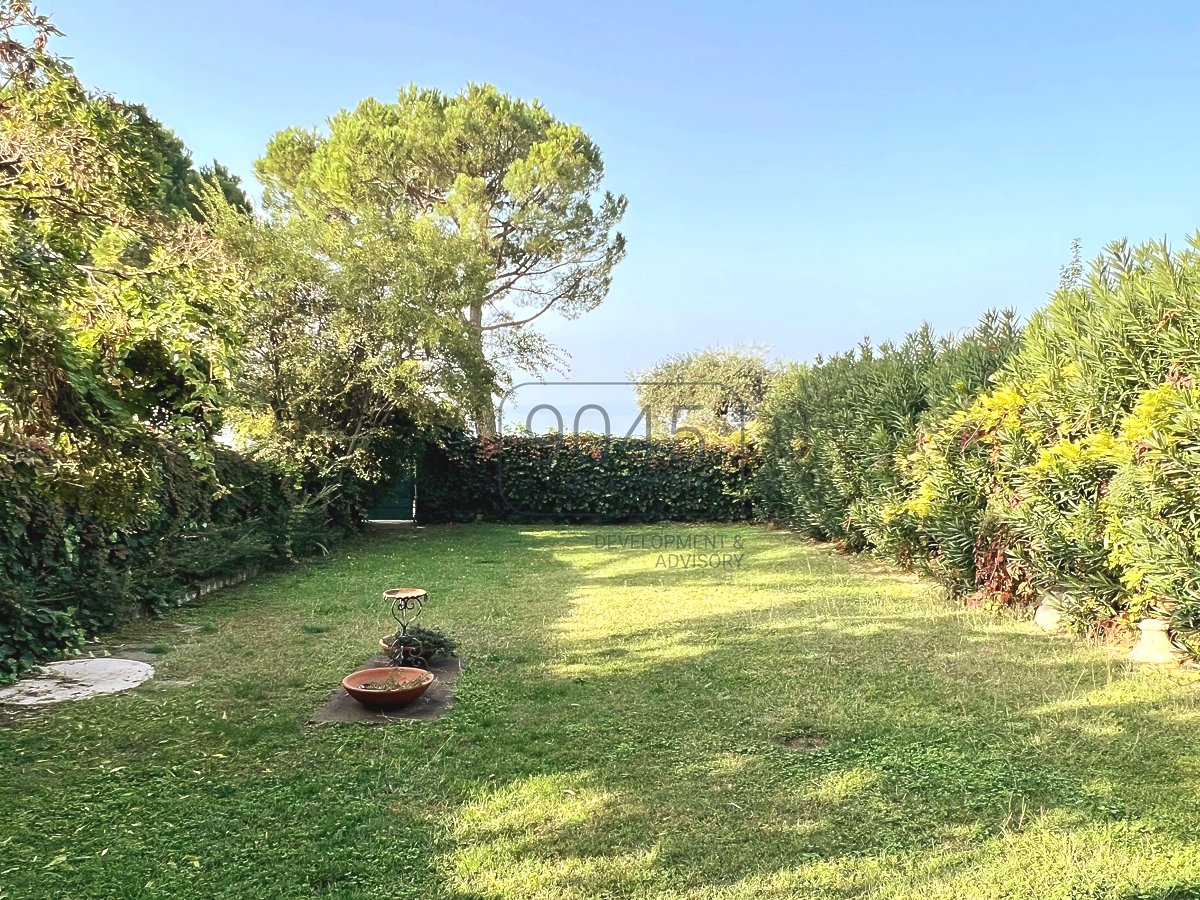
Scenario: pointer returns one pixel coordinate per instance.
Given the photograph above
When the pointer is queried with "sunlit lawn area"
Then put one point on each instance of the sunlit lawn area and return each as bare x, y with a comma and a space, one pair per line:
804, 725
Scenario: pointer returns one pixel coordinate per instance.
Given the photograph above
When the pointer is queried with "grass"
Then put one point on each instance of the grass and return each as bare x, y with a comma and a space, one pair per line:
802, 725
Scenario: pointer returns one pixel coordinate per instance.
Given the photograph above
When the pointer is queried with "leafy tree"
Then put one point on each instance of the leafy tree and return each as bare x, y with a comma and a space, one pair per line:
226, 182
182, 187
505, 198
712, 390
352, 341
118, 318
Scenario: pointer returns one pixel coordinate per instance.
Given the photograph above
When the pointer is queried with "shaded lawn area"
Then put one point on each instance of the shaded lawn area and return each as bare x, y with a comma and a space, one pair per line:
804, 725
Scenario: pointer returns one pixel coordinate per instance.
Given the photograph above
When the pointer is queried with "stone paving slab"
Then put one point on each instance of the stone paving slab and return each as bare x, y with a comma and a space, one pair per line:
341, 708
77, 679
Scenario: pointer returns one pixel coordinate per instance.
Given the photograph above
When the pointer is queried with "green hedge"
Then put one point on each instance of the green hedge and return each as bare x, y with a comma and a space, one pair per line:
585, 478
68, 571
1065, 463
835, 433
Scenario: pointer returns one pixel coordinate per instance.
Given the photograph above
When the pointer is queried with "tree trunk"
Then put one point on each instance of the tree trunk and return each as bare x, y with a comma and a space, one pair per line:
483, 414
482, 407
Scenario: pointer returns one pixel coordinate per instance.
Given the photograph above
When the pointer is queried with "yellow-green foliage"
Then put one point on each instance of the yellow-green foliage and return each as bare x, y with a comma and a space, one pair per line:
837, 434
1099, 372
1153, 515
1052, 508
1078, 470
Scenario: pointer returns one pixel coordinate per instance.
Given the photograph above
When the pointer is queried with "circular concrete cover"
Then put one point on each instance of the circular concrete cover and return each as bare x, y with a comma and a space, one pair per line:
77, 679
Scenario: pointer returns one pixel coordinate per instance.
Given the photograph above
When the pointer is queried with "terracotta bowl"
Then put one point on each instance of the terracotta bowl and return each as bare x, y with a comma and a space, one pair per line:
387, 699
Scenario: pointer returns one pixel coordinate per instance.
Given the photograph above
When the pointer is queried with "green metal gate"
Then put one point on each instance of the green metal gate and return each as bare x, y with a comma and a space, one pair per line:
399, 503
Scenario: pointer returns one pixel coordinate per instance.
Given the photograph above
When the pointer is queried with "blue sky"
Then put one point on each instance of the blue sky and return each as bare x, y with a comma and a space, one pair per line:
799, 174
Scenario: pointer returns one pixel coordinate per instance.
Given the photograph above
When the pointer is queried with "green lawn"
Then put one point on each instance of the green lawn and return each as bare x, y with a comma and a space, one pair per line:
806, 725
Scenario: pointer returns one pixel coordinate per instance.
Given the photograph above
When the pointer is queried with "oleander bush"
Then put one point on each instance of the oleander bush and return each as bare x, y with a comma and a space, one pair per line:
586, 477
938, 524
1068, 451
1070, 469
837, 432
1152, 522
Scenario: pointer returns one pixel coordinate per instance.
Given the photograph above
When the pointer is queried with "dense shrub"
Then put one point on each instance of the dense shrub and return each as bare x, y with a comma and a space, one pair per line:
586, 478
937, 525
1152, 522
1075, 456
118, 335
1075, 474
1130, 326
836, 433
69, 569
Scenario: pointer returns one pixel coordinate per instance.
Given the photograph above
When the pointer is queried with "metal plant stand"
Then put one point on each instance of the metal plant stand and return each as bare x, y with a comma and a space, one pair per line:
407, 606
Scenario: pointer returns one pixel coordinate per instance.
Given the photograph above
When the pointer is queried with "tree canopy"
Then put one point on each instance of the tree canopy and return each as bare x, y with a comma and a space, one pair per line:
352, 342
120, 311
502, 201
715, 390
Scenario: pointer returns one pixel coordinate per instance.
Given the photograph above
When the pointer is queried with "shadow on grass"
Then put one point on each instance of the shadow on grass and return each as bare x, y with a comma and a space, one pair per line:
934, 740
797, 727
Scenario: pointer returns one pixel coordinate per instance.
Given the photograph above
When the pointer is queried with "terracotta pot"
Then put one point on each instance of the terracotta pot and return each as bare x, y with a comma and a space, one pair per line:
386, 699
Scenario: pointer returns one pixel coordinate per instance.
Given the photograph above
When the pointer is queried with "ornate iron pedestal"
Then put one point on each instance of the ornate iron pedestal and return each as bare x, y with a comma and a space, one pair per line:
407, 606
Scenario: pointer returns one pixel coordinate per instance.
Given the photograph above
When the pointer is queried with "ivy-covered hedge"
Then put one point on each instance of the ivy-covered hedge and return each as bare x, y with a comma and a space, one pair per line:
585, 478
70, 568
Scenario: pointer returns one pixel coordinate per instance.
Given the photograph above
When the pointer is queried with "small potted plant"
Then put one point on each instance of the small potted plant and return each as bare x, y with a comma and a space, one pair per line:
410, 651
418, 646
